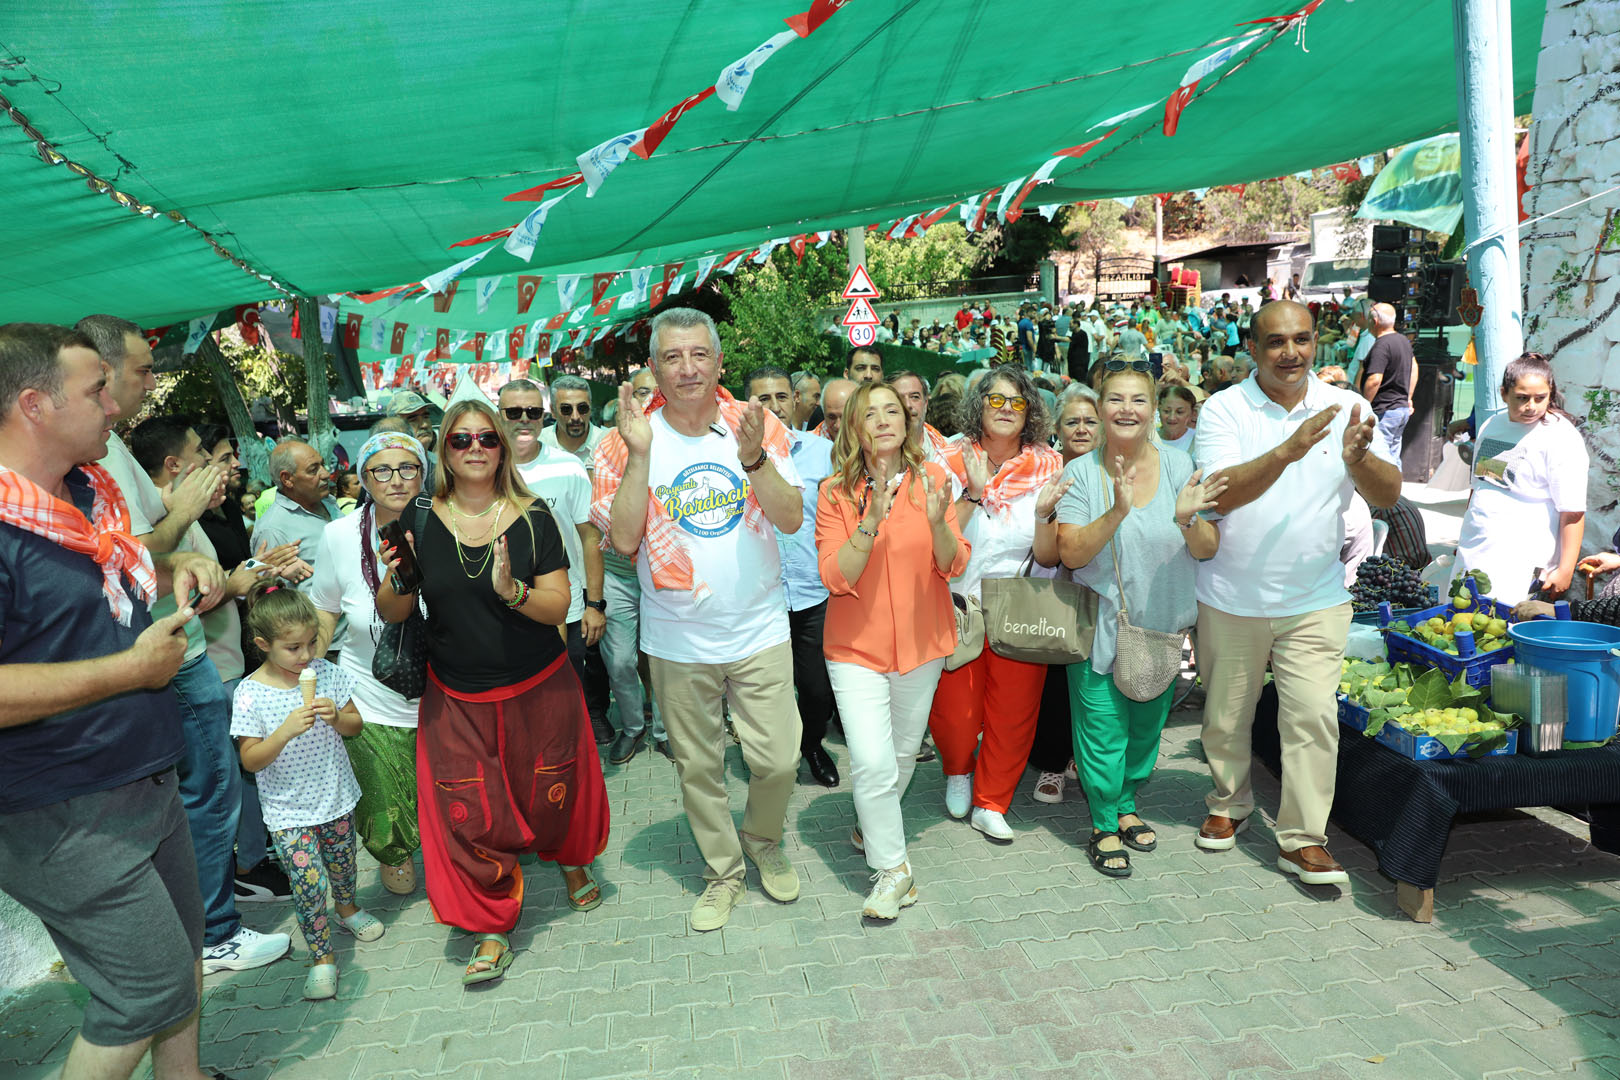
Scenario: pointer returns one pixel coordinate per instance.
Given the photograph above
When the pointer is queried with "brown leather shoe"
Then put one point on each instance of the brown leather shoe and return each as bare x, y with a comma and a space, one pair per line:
1219, 833
1312, 865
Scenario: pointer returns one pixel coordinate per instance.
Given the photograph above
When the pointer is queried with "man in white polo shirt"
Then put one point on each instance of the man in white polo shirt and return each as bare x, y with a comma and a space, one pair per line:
1293, 449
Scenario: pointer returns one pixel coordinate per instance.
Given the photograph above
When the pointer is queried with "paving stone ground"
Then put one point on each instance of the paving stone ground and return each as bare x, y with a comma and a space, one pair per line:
1018, 961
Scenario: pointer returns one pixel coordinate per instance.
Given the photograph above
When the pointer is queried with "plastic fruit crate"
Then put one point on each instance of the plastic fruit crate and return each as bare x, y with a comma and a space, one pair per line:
1429, 748
1476, 666
1351, 715
1371, 618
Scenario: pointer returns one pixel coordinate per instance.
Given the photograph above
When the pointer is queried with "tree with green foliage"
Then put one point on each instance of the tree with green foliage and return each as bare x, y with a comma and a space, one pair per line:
945, 252
1282, 205
774, 311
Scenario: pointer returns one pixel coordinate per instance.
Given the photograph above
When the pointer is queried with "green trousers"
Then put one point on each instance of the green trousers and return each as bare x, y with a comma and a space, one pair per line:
1116, 742
384, 762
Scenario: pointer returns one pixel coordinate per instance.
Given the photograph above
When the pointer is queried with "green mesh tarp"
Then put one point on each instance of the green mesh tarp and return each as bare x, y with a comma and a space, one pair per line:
339, 147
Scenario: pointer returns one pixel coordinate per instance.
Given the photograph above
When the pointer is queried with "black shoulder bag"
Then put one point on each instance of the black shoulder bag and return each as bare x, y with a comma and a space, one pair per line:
400, 662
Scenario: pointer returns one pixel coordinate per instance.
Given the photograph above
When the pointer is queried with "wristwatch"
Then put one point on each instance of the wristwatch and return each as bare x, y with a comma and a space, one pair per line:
599, 605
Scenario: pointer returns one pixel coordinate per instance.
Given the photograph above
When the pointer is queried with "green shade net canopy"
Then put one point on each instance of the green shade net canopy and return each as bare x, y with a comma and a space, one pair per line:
164, 159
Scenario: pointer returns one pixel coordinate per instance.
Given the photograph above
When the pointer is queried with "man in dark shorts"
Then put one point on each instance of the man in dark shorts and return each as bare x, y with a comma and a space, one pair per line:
93, 836
1391, 374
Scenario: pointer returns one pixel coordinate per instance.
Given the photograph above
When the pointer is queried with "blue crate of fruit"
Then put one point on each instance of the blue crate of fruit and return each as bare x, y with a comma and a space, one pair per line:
1476, 653
1351, 715
1429, 748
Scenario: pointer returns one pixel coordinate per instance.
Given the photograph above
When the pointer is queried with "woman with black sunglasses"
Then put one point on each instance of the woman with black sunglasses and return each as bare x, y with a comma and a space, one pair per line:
507, 763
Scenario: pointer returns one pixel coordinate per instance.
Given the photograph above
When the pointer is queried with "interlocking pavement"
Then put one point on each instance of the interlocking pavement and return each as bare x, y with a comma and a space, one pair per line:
1018, 960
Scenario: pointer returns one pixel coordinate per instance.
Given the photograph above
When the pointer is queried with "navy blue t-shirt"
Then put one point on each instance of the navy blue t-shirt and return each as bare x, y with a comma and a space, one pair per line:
53, 610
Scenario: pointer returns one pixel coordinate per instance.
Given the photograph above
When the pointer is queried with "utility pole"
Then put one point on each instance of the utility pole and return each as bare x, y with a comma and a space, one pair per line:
1482, 32
855, 244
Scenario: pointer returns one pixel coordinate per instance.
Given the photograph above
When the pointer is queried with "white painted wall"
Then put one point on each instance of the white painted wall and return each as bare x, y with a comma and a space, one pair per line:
26, 952
1571, 272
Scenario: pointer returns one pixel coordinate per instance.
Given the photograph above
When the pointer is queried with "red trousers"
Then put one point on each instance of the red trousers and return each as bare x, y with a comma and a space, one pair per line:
498, 775
990, 704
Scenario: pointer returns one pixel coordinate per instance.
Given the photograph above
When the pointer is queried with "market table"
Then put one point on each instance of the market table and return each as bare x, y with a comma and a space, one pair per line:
1403, 809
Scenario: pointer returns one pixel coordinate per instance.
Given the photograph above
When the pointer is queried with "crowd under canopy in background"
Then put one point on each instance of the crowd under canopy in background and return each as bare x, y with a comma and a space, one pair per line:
165, 160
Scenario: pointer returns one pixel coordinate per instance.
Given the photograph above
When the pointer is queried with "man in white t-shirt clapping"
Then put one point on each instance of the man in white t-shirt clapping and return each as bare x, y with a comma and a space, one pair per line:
1293, 450
695, 487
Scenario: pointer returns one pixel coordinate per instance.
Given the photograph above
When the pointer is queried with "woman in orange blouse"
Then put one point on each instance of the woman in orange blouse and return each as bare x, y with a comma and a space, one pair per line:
888, 546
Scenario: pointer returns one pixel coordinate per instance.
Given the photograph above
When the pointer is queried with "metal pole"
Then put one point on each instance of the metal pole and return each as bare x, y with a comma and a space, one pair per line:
855, 244
1483, 31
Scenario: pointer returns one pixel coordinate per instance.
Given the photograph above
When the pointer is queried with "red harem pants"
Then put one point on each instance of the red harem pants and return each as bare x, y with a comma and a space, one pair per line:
499, 774
995, 698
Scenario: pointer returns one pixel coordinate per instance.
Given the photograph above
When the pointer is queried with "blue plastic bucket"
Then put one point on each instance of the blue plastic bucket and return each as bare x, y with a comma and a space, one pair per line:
1589, 654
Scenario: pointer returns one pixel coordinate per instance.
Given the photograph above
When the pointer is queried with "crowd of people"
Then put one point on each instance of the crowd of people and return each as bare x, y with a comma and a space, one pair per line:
437, 672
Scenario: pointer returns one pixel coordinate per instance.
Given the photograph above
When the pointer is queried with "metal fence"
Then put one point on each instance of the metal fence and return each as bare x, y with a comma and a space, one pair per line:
965, 287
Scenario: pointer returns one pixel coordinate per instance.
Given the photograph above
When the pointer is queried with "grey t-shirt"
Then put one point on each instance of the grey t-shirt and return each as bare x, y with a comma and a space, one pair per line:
1160, 577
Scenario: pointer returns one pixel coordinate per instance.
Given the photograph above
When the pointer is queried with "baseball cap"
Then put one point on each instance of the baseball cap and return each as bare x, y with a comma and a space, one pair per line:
406, 402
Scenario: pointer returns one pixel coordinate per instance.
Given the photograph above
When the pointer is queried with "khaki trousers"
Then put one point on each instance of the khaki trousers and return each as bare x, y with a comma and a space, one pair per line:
766, 716
1306, 653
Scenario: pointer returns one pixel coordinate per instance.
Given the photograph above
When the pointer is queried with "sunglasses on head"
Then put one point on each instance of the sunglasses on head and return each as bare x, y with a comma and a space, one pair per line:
1120, 364
997, 401
570, 410
518, 412
463, 440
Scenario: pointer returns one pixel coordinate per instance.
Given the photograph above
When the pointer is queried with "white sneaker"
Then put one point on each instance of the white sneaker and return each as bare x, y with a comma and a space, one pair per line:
958, 795
891, 890
713, 908
1049, 788
246, 949
991, 823
1071, 773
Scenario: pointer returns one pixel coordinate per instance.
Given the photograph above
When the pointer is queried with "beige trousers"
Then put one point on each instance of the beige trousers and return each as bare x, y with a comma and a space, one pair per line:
766, 715
1305, 653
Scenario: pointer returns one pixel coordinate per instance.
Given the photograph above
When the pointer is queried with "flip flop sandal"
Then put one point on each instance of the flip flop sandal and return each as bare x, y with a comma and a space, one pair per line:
1100, 858
574, 898
1129, 836
498, 963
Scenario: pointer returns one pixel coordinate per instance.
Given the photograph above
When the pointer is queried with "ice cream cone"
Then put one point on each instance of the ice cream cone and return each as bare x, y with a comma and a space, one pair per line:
306, 683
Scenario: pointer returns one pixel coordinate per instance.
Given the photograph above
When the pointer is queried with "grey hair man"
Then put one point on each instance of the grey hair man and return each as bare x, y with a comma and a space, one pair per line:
1389, 377
806, 400
834, 396
696, 490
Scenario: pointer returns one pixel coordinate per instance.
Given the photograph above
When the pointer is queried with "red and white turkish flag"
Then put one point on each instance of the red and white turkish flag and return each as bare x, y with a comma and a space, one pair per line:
478, 344
528, 285
599, 286
807, 22
557, 320
396, 344
441, 341
1177, 102
441, 300
644, 146
514, 341
247, 323
351, 330
542, 345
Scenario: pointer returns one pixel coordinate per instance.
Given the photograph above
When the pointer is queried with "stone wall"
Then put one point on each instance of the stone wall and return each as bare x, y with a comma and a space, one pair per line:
26, 952
1572, 261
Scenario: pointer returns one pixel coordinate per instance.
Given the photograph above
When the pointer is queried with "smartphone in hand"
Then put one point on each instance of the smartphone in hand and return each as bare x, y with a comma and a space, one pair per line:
408, 574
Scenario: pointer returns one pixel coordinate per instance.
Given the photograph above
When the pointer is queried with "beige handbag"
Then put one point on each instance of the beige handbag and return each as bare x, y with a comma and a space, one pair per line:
969, 631
1040, 620
1146, 661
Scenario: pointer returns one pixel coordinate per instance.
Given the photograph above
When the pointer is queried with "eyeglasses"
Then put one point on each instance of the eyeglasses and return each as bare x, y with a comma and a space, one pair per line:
518, 412
997, 401
463, 440
384, 473
1120, 364
570, 410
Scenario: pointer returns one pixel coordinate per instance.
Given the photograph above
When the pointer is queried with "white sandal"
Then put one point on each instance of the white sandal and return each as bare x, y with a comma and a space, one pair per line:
321, 982
362, 924
1049, 788
400, 880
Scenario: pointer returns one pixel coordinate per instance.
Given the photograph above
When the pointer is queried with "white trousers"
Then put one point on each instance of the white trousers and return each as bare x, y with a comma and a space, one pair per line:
884, 718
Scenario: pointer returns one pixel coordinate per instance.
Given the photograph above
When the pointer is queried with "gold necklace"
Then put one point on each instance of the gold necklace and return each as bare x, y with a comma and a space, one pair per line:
452, 504
489, 548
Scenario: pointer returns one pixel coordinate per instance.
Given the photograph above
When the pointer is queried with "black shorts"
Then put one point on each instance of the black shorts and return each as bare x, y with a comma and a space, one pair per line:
113, 877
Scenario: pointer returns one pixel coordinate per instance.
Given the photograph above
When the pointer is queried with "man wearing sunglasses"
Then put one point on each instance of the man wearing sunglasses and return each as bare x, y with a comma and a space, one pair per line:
696, 490
571, 407
1294, 450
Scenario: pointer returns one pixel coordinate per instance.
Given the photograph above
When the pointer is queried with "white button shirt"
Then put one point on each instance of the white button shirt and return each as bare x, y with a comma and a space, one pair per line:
1279, 554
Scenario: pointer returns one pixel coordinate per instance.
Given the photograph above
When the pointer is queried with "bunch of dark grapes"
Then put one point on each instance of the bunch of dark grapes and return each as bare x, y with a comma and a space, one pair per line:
1382, 578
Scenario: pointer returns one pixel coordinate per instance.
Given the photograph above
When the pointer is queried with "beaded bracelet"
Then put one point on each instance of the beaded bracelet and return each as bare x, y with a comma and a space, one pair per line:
520, 596
860, 528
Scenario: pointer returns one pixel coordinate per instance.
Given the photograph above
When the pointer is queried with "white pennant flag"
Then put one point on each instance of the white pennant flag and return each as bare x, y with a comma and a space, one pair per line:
390, 367
1124, 116
420, 340
1009, 192
379, 331
627, 300
641, 284
567, 286
486, 290
532, 339
970, 209
677, 285
1217, 59
730, 265
705, 265
600, 160
461, 339
579, 314
435, 283
328, 322
495, 345
1046, 210
765, 249
823, 237
527, 232
198, 329
734, 79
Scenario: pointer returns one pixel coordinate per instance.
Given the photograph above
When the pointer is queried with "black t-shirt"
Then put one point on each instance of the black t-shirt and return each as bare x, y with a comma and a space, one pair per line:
53, 610
475, 642
1046, 342
1391, 357
226, 530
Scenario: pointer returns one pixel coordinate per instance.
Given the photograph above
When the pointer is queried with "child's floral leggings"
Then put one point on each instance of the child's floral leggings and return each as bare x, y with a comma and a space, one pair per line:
309, 855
